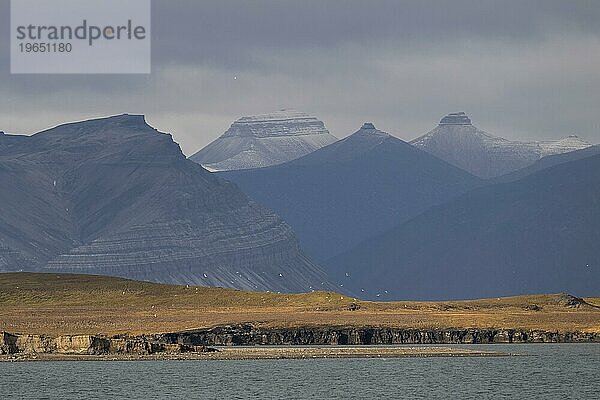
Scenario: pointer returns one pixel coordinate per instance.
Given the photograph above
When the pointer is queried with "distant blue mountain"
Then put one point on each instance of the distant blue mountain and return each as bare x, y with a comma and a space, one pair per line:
360, 186
540, 234
547, 162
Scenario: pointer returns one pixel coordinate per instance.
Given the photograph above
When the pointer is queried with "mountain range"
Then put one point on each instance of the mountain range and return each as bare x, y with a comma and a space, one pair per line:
383, 218
547, 162
114, 196
343, 193
538, 234
264, 140
458, 142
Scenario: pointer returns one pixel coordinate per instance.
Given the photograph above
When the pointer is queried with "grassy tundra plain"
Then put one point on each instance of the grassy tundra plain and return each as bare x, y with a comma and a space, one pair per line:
63, 304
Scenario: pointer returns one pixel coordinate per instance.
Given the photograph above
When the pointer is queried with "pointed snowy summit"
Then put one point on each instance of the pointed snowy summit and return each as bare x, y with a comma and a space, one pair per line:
368, 126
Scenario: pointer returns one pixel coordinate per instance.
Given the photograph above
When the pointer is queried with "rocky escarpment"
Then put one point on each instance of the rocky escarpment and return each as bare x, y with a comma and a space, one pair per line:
458, 142
249, 335
264, 140
114, 196
88, 345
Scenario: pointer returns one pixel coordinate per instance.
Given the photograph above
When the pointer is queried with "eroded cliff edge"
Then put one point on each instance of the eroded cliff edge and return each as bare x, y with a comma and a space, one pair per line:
249, 335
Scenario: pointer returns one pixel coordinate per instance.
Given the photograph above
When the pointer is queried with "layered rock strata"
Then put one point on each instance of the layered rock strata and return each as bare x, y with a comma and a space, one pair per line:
264, 140
114, 196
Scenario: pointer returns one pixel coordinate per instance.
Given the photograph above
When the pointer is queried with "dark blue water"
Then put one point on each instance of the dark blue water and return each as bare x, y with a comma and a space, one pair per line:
570, 371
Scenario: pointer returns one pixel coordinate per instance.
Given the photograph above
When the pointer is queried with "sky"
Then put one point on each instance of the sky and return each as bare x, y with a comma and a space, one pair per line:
520, 69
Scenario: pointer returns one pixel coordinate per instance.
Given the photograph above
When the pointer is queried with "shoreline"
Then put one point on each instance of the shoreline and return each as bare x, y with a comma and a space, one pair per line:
249, 341
265, 353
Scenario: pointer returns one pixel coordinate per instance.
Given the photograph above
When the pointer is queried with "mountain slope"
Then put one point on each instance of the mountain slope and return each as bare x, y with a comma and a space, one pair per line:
547, 162
458, 142
537, 234
114, 196
264, 140
341, 194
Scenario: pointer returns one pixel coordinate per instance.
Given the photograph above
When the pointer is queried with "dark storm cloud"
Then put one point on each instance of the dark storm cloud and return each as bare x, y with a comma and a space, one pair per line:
225, 32
240, 25
520, 68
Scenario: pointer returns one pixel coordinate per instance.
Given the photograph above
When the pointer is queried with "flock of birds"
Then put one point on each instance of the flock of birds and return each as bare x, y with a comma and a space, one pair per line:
310, 288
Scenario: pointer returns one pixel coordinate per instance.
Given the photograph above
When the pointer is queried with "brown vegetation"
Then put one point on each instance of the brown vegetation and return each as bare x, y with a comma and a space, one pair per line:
57, 304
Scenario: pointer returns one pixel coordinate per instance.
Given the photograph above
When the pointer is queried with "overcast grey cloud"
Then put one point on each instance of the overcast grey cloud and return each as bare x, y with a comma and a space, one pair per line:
521, 69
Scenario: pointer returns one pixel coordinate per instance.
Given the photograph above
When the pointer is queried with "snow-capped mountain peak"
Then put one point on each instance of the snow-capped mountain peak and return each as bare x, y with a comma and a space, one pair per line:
264, 140
564, 145
457, 141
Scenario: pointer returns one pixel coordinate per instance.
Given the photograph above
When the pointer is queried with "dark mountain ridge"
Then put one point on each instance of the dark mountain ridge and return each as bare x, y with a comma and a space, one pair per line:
547, 162
538, 234
114, 196
355, 188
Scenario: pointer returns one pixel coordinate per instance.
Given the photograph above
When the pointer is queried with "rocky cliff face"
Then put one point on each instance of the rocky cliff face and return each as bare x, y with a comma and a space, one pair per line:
458, 142
248, 335
116, 197
264, 140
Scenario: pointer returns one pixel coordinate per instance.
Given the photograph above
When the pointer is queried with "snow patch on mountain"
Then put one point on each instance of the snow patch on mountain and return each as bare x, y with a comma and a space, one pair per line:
565, 145
264, 140
457, 141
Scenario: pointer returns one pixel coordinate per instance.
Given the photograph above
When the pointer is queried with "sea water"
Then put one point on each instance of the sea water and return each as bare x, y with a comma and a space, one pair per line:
537, 371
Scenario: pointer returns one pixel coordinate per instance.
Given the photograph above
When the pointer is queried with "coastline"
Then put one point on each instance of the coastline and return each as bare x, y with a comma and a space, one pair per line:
265, 353
250, 342
103, 318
